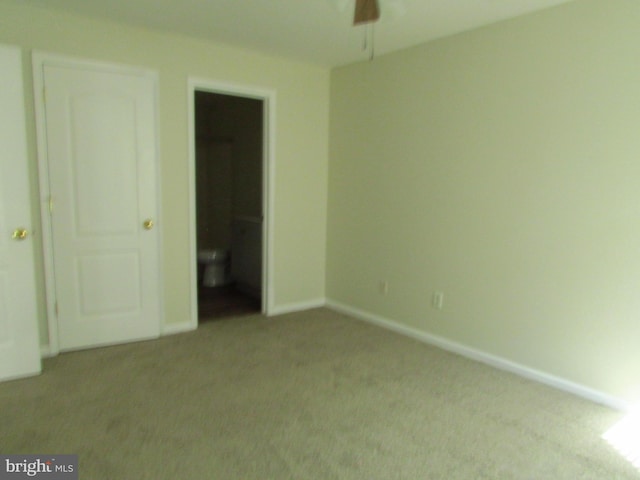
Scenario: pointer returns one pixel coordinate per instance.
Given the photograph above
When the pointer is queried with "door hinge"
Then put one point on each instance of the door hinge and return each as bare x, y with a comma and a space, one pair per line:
56, 308
44, 94
50, 204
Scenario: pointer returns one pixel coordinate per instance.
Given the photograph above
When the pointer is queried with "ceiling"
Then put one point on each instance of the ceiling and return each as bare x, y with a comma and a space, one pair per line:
315, 31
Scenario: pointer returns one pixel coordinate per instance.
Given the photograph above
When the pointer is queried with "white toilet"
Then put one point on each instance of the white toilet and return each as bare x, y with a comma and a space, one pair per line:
216, 267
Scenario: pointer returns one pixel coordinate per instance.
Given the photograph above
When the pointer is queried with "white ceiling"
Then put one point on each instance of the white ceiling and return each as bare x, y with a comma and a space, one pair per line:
316, 31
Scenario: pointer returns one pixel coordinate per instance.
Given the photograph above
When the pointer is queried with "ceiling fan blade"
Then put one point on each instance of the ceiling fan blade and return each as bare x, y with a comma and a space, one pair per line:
367, 11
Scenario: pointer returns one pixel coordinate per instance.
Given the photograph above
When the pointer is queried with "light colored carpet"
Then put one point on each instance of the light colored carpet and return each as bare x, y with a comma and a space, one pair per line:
312, 395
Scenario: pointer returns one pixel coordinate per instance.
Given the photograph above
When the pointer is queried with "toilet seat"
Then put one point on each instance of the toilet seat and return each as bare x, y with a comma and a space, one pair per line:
213, 255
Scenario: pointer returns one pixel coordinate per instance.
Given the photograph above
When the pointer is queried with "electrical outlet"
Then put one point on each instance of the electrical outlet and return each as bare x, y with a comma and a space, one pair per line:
384, 287
437, 300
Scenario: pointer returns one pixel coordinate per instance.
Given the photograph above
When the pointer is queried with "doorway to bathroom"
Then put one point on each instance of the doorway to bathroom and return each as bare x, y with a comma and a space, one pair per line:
229, 149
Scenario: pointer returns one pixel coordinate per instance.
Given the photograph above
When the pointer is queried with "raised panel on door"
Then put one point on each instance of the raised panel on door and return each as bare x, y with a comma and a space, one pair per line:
19, 342
103, 165
102, 174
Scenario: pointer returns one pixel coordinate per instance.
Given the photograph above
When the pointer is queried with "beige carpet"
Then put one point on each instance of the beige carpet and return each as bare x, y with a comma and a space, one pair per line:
313, 395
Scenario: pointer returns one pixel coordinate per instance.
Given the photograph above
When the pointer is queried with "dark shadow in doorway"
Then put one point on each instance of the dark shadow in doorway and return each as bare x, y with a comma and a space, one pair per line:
225, 301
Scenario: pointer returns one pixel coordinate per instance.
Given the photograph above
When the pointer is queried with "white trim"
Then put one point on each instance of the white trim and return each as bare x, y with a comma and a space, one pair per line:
483, 357
45, 351
174, 328
297, 307
39, 60
193, 237
268, 198
268, 98
162, 317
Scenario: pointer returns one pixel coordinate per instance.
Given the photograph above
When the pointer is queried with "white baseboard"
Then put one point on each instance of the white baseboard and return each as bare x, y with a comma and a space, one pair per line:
181, 327
480, 356
45, 351
296, 307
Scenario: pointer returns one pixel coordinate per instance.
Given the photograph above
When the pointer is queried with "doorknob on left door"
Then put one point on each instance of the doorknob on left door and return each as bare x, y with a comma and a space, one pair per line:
148, 224
20, 234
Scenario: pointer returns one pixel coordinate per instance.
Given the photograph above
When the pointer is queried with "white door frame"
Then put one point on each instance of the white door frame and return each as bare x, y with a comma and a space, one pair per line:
39, 61
268, 98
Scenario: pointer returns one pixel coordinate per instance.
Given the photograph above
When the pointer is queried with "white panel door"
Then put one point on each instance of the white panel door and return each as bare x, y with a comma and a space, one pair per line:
101, 154
19, 342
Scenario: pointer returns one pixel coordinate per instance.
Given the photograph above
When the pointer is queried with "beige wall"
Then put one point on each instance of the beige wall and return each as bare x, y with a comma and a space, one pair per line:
302, 93
502, 167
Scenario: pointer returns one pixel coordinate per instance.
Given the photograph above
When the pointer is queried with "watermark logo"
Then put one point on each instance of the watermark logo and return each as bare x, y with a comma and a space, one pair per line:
50, 467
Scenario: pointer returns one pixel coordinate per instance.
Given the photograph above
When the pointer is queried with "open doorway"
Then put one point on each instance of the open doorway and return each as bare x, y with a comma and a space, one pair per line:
229, 203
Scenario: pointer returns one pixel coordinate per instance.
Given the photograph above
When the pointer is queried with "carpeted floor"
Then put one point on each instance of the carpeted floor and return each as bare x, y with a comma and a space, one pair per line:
312, 395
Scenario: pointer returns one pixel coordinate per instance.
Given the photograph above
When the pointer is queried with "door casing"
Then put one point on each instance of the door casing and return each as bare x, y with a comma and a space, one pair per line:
268, 98
39, 60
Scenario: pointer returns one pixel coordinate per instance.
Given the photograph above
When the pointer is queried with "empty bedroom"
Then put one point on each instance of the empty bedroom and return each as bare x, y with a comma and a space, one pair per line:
444, 197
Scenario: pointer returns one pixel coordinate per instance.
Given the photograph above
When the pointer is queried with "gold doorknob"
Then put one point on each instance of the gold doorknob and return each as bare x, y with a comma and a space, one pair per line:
148, 224
20, 234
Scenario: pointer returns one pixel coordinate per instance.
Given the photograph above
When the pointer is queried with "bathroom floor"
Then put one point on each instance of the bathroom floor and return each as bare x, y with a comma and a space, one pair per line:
226, 301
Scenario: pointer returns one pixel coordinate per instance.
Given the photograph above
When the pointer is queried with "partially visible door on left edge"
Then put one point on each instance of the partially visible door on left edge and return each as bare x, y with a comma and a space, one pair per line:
19, 341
